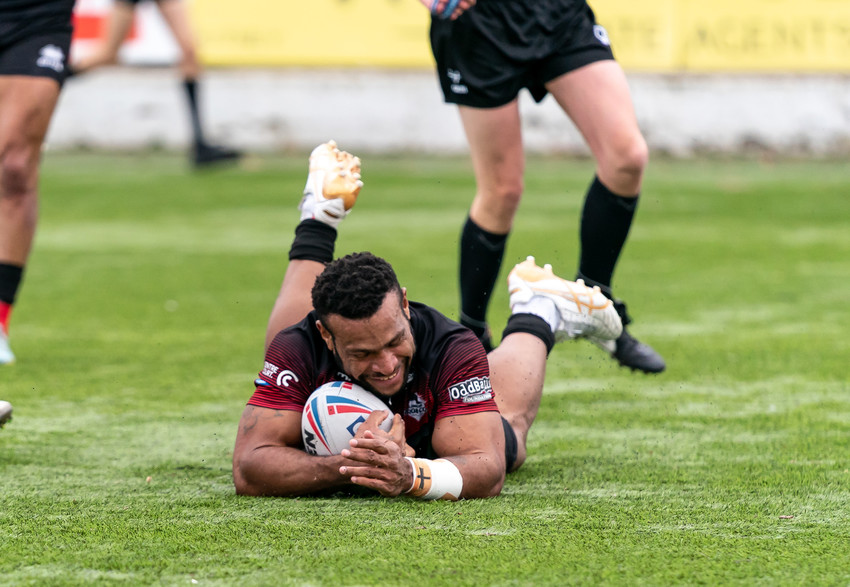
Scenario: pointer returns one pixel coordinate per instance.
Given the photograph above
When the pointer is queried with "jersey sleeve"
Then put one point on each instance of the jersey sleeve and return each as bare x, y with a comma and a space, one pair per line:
288, 377
461, 381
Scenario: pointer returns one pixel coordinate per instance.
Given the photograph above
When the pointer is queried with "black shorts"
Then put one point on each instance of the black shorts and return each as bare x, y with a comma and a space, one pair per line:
485, 57
32, 50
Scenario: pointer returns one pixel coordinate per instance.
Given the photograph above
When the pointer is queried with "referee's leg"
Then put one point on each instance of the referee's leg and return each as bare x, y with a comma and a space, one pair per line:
495, 142
597, 99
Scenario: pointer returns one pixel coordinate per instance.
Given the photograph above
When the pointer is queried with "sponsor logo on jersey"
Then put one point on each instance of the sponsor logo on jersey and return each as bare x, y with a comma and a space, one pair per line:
415, 408
51, 57
456, 86
601, 35
285, 376
472, 390
269, 370
282, 378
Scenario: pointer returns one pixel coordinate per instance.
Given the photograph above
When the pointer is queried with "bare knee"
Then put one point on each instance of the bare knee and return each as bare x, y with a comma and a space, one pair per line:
622, 168
496, 204
17, 175
509, 193
108, 58
103, 57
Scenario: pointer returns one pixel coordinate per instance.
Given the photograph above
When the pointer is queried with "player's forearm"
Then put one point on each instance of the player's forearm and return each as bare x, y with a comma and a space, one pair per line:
483, 475
284, 471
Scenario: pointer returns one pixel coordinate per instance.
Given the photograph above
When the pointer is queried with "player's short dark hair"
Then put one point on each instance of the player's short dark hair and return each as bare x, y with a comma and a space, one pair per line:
354, 286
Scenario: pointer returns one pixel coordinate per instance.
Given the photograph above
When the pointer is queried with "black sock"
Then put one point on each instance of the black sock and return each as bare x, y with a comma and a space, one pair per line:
532, 324
10, 281
314, 241
191, 87
481, 255
605, 222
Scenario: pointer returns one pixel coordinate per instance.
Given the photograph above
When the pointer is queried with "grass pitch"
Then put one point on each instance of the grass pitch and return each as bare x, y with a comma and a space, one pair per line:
140, 326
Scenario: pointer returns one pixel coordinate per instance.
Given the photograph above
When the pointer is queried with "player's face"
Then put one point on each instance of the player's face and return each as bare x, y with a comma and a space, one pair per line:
374, 351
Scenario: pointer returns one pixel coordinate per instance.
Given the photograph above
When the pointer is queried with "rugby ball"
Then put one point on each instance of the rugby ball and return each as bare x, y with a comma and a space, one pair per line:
333, 413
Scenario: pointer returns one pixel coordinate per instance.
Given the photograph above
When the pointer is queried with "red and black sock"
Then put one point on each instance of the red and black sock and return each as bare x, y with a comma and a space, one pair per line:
10, 281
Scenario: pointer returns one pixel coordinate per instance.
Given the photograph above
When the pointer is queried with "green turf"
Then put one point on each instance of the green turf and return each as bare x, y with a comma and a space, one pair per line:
140, 328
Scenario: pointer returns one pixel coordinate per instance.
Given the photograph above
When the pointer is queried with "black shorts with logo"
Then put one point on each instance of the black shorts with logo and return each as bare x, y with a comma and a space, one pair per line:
36, 42
485, 57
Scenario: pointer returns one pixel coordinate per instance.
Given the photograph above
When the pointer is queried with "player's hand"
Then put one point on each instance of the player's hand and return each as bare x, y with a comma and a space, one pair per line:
396, 433
450, 9
399, 437
380, 464
372, 423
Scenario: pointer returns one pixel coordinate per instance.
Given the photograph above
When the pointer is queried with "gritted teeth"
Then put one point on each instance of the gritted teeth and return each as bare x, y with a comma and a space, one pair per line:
388, 377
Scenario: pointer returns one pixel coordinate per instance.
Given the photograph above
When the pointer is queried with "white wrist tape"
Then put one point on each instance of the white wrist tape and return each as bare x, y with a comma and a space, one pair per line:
439, 479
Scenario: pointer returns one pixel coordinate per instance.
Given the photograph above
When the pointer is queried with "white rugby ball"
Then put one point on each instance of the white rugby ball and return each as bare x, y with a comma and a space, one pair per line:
333, 413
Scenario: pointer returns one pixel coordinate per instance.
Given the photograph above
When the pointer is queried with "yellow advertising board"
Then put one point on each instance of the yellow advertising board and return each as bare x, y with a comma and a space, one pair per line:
647, 35
766, 35
383, 33
643, 33
728, 35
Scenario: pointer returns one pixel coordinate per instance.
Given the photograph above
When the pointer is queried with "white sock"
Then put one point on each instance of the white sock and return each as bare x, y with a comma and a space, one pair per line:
540, 306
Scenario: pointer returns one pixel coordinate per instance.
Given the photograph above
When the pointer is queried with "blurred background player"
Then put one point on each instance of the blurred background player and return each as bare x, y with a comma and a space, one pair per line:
485, 56
5, 412
176, 16
35, 36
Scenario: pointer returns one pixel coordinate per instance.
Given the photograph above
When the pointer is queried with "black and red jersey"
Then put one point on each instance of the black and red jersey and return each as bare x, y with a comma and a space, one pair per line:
449, 374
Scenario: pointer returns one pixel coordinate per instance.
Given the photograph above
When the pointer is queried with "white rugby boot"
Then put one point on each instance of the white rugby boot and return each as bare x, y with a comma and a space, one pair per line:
5, 412
333, 185
6, 355
583, 311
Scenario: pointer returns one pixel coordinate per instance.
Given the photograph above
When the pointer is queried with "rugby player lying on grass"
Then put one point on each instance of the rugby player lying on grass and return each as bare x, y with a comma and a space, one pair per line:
460, 416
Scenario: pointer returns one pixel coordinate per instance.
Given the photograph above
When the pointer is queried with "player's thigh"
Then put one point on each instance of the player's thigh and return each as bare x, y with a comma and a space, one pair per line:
176, 16
118, 25
597, 99
495, 142
26, 106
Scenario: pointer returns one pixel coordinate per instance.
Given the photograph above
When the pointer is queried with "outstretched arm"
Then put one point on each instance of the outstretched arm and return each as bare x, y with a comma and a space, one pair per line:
268, 460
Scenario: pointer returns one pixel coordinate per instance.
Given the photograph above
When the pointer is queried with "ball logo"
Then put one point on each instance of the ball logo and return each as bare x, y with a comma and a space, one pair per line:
334, 405
352, 428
